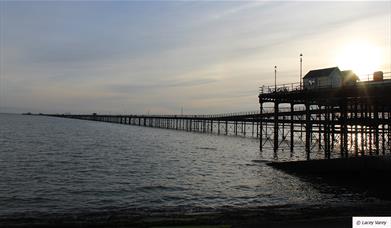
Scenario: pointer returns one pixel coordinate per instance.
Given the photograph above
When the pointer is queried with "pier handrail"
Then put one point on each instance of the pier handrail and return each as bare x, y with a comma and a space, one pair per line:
369, 77
289, 87
265, 110
286, 87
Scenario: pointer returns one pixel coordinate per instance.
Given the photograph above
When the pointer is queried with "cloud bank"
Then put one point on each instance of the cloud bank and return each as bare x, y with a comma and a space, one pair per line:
157, 57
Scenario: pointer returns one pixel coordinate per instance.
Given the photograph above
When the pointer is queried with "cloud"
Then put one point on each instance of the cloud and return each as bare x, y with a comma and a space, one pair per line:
238, 9
139, 55
158, 85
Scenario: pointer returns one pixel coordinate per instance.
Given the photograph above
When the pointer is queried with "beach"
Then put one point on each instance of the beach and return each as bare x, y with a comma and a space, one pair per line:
276, 217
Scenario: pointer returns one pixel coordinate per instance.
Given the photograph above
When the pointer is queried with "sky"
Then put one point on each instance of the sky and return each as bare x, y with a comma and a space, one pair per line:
161, 57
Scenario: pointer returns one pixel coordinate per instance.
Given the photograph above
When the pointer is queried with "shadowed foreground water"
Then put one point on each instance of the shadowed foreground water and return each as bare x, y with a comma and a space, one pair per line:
60, 166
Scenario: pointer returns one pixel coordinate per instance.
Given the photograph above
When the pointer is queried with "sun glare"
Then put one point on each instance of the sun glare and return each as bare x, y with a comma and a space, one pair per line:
361, 57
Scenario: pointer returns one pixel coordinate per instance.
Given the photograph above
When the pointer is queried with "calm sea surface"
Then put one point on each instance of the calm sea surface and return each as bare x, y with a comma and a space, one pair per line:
55, 165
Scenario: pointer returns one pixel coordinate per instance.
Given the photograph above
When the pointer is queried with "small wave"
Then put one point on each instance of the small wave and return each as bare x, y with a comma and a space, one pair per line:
242, 187
206, 148
260, 161
160, 188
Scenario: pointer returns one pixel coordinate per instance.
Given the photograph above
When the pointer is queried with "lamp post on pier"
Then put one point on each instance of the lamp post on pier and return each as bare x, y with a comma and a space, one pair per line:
275, 78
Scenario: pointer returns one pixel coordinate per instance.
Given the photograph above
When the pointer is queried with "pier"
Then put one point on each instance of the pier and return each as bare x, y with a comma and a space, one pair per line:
354, 118
346, 121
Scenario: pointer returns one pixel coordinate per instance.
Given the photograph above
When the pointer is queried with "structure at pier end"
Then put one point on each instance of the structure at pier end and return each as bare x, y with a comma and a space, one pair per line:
333, 110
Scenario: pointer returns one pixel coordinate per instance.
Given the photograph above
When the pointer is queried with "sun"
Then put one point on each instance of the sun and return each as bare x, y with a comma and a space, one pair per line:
361, 57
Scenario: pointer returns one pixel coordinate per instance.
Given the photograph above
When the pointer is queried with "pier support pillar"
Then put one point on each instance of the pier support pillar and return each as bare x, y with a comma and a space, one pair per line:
260, 124
342, 125
376, 126
355, 128
292, 126
319, 117
275, 146
308, 129
327, 132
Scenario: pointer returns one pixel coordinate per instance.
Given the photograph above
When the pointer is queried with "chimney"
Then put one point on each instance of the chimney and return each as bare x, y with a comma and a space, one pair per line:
378, 76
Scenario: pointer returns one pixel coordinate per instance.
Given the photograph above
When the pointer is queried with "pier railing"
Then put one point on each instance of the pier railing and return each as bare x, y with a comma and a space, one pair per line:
287, 87
266, 110
369, 77
297, 86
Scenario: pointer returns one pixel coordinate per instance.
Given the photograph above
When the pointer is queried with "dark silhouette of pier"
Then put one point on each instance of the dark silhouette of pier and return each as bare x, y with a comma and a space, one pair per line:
356, 118
350, 120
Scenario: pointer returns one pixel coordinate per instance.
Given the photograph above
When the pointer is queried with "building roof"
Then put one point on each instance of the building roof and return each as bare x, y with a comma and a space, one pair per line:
320, 72
349, 75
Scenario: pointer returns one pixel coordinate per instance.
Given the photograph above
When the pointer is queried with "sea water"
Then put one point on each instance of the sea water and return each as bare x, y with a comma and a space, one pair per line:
61, 166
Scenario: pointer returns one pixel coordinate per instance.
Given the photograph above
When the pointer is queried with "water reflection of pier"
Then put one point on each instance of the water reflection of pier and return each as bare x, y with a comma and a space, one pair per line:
347, 121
